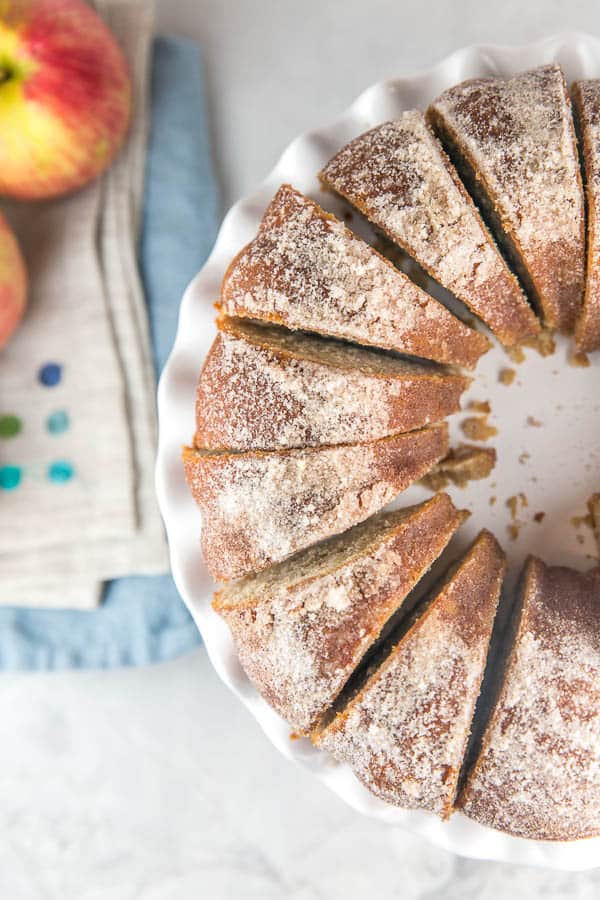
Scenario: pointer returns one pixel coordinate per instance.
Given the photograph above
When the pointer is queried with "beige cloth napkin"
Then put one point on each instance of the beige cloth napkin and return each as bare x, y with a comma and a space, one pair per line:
59, 541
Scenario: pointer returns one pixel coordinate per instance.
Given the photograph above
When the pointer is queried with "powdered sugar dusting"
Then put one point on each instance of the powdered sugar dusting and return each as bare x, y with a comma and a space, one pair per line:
259, 508
306, 270
519, 135
266, 389
539, 773
299, 640
399, 177
405, 734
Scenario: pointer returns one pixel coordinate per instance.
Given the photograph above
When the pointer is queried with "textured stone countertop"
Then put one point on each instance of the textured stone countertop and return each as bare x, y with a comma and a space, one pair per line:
155, 784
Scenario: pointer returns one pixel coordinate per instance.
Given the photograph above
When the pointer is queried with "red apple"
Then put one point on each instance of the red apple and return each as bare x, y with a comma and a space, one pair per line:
65, 97
13, 282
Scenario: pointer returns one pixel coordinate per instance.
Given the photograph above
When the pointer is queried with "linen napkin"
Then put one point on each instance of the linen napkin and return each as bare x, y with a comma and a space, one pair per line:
142, 619
90, 514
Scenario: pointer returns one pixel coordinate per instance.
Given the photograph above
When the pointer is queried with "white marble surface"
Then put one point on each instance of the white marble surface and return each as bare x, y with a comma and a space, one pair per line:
155, 784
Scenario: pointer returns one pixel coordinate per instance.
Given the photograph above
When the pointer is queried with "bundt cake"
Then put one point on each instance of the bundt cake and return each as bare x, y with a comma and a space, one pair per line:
538, 771
260, 507
302, 627
404, 732
323, 397
306, 270
399, 177
513, 143
586, 103
265, 388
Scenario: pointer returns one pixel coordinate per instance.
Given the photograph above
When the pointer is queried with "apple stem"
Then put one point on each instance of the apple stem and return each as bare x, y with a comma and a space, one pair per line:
5, 74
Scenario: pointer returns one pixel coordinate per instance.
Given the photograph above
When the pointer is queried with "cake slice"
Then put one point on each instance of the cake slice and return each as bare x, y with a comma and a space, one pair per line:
301, 627
307, 271
265, 388
400, 178
405, 732
260, 507
513, 142
538, 772
586, 104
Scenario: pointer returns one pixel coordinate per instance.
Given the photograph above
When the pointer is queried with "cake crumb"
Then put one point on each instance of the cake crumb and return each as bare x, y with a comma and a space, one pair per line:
463, 464
543, 343
524, 457
516, 353
481, 406
539, 517
513, 530
435, 480
507, 376
593, 505
476, 428
586, 521
514, 527
492, 501
579, 521
513, 503
579, 360
535, 423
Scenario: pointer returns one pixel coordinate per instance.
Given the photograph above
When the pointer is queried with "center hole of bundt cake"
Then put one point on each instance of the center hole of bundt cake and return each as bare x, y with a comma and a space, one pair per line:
546, 411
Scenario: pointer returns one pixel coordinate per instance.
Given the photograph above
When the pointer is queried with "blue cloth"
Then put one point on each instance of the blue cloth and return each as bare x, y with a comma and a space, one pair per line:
143, 619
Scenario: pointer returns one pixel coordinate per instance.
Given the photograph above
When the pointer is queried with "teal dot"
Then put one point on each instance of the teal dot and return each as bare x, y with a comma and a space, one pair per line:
10, 477
60, 471
57, 422
10, 425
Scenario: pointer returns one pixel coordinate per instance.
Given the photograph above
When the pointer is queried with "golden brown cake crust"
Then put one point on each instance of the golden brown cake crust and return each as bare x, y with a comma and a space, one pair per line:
399, 177
306, 270
405, 733
516, 138
538, 772
300, 639
260, 507
586, 102
267, 389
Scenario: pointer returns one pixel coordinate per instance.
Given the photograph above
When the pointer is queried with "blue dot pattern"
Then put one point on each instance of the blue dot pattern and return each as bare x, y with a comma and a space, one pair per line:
60, 471
10, 477
50, 374
57, 422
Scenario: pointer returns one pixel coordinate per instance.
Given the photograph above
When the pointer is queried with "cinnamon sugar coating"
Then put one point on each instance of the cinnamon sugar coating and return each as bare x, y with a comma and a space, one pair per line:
306, 270
513, 141
586, 103
260, 507
405, 733
302, 627
267, 388
400, 178
538, 772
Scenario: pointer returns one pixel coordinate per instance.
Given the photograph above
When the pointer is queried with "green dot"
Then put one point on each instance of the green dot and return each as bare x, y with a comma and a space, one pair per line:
60, 471
10, 477
10, 425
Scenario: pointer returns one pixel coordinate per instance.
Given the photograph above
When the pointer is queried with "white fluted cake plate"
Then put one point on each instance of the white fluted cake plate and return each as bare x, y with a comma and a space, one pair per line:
548, 439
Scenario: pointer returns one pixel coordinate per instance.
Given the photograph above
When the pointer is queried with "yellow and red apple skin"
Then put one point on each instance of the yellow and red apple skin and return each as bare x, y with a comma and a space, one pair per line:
65, 97
13, 283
